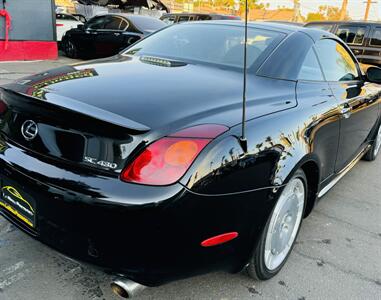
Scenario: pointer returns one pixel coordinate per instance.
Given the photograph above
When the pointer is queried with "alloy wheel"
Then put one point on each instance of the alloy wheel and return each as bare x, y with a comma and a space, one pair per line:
284, 224
70, 49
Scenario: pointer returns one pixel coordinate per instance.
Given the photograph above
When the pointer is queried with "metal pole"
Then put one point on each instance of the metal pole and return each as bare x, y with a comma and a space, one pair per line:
243, 134
367, 10
343, 11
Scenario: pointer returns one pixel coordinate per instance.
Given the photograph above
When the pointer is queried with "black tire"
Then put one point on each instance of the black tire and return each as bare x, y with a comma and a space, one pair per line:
70, 48
257, 268
372, 153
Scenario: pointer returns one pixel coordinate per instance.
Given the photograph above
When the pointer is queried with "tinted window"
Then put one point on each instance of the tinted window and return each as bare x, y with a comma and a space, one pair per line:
169, 20
326, 27
351, 34
337, 63
123, 25
96, 23
222, 45
183, 19
376, 37
146, 24
112, 23
310, 69
204, 17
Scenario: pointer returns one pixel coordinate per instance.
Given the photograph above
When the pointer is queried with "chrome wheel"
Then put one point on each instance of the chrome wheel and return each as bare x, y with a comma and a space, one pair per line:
377, 143
284, 224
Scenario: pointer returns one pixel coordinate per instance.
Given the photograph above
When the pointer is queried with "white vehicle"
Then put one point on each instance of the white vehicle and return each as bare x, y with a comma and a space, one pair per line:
65, 22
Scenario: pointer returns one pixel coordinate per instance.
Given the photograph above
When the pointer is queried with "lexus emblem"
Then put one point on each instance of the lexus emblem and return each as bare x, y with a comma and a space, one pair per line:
29, 130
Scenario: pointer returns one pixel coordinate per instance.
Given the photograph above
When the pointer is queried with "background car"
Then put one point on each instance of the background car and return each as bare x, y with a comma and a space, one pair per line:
364, 38
106, 35
186, 17
65, 22
129, 5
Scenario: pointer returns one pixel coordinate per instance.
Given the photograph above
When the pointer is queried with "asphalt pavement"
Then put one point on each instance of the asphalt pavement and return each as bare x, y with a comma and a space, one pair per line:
337, 256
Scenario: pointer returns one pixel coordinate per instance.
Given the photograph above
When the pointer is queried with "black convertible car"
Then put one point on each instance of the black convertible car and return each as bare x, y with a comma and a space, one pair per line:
106, 35
137, 163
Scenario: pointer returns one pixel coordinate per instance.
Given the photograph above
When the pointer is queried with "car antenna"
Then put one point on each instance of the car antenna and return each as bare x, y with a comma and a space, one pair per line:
242, 139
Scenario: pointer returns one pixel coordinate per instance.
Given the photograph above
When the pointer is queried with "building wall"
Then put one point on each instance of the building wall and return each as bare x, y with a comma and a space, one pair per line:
33, 32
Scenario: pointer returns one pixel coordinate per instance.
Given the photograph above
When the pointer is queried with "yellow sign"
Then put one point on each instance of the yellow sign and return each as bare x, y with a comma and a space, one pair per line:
19, 202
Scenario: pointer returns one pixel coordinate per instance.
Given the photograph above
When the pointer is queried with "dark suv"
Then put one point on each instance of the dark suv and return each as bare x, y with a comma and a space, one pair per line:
364, 38
186, 17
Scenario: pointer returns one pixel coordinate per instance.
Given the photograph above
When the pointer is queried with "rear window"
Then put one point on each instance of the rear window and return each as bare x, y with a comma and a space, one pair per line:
351, 34
147, 24
376, 37
218, 44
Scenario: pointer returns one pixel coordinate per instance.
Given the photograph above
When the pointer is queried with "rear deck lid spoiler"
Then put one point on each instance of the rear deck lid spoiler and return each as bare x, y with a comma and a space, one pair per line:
88, 110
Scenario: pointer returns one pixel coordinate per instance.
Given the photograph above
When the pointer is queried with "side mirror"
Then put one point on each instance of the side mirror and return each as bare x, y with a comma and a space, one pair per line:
80, 26
373, 74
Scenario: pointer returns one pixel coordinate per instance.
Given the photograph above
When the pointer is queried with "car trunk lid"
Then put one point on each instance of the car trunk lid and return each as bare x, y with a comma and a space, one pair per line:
66, 129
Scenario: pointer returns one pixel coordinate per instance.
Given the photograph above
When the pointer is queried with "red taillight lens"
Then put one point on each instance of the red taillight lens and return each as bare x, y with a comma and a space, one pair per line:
165, 161
59, 25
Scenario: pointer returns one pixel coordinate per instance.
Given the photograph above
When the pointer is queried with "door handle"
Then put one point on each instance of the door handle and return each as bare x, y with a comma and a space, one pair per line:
116, 33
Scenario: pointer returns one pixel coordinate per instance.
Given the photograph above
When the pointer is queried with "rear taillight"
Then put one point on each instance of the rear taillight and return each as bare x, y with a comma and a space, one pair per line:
59, 25
165, 161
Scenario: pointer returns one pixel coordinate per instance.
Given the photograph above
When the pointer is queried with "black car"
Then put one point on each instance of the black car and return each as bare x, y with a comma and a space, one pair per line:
128, 5
106, 35
364, 38
172, 18
142, 164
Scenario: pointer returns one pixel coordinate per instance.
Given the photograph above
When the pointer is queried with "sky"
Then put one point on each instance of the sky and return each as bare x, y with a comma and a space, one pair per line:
356, 8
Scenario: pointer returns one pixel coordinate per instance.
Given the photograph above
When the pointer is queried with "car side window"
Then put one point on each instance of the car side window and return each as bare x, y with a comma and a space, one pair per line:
376, 37
204, 18
310, 69
337, 63
169, 20
350, 34
183, 19
96, 23
123, 25
112, 23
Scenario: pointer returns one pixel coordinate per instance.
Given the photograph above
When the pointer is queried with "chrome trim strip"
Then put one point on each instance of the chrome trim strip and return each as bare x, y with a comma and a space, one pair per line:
343, 172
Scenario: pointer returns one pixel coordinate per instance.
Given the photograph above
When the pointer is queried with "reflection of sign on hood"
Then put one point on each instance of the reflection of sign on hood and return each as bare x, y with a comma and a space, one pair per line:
37, 90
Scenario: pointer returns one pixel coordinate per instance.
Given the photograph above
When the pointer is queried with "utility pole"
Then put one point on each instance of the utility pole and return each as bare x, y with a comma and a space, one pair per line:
296, 17
343, 11
368, 4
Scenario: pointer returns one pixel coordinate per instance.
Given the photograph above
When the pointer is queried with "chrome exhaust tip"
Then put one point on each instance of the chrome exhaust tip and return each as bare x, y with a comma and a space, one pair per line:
126, 288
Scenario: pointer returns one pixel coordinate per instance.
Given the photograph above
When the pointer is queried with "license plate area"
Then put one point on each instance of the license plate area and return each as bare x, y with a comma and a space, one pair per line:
18, 203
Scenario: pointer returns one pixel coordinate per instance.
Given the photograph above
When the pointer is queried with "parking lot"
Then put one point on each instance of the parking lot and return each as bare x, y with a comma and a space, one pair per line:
337, 256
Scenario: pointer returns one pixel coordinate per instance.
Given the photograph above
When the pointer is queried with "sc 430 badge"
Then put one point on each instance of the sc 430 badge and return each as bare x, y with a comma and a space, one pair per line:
102, 163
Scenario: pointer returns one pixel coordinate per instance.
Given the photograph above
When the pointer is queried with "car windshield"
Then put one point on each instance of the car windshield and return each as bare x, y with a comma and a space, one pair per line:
207, 43
147, 24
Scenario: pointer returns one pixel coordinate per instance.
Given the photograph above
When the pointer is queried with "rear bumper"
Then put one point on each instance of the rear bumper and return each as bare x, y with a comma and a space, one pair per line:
150, 234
